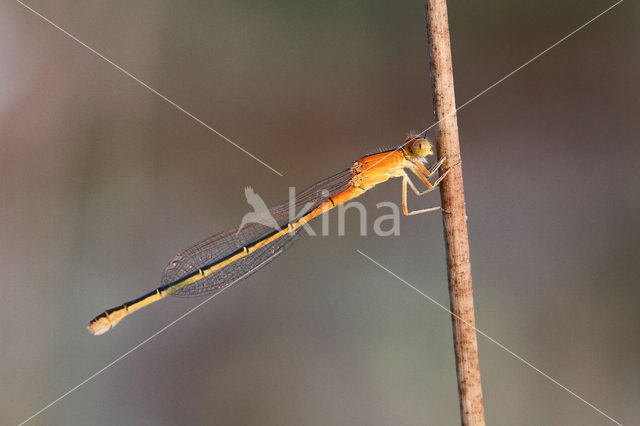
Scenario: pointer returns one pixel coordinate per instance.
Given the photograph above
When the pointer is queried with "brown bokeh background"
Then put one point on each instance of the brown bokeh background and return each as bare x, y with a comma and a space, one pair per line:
102, 182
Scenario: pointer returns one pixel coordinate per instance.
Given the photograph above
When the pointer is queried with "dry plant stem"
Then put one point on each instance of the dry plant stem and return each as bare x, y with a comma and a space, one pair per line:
455, 219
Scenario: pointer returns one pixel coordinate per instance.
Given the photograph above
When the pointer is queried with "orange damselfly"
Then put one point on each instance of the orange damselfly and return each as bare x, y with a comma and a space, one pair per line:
213, 264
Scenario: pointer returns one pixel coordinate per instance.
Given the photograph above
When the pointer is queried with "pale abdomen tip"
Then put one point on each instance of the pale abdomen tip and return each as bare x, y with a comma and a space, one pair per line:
106, 321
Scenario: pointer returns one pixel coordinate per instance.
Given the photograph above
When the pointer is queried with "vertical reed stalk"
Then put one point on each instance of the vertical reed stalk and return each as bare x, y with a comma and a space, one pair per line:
455, 219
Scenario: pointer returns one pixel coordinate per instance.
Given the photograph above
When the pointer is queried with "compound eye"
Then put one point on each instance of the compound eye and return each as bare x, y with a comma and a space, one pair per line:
421, 147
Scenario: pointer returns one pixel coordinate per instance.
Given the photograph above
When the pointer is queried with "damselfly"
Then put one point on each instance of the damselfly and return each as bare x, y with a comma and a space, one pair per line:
211, 265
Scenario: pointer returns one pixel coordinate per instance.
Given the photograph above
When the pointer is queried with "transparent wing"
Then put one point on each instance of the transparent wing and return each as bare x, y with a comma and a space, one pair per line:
210, 251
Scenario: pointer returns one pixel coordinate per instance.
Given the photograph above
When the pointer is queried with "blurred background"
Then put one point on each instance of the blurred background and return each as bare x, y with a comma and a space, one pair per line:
102, 182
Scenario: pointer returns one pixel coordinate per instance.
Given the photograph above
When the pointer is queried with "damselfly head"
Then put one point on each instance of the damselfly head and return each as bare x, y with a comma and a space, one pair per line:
419, 147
